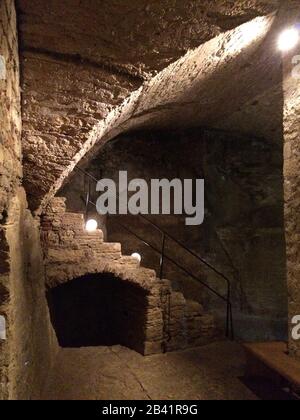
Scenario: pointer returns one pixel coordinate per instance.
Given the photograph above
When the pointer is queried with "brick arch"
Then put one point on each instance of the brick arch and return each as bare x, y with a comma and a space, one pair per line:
102, 310
71, 253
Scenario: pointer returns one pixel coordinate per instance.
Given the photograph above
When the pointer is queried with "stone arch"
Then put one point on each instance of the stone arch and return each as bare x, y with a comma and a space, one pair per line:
103, 310
70, 253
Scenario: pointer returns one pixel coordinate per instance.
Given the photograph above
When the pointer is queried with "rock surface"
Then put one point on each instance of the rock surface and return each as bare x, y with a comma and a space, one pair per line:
26, 354
31, 345
291, 124
10, 107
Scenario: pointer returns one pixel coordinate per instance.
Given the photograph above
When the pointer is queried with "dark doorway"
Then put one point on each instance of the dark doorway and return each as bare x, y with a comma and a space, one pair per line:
99, 310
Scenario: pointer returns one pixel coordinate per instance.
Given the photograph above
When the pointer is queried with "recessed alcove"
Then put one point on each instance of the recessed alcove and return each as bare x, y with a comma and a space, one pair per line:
98, 310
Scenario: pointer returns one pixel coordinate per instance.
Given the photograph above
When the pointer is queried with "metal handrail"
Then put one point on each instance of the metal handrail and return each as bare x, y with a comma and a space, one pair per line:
227, 299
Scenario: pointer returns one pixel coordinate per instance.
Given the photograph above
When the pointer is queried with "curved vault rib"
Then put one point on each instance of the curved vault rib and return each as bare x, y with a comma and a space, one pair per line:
203, 87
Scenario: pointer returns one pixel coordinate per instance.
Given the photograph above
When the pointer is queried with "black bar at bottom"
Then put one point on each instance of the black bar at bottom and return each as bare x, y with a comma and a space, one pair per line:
126, 409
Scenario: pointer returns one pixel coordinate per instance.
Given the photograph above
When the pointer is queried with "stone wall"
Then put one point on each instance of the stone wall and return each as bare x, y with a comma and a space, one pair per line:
26, 354
10, 155
70, 252
242, 234
31, 344
10, 109
291, 86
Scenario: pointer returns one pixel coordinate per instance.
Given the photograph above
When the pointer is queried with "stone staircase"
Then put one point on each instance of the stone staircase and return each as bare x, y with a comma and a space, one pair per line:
70, 252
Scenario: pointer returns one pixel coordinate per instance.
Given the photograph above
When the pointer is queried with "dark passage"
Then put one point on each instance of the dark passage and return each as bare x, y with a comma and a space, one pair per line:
98, 310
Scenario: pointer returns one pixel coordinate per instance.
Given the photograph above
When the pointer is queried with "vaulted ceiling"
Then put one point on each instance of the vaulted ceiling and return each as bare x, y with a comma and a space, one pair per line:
94, 68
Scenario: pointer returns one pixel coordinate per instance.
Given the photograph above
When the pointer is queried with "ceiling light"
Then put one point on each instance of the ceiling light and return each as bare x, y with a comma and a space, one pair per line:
288, 39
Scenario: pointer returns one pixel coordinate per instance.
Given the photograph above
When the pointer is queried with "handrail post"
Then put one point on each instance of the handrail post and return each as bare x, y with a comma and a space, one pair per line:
88, 194
231, 324
228, 317
162, 257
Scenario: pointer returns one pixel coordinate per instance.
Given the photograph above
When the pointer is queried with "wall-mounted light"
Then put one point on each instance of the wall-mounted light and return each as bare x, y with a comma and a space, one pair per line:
288, 39
137, 257
2, 328
91, 225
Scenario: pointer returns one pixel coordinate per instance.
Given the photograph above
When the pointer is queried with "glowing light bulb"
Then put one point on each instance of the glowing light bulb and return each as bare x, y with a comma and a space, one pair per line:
137, 257
91, 225
288, 39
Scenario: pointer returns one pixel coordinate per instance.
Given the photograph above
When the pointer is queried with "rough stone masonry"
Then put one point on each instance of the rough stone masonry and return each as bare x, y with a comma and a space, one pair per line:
30, 345
171, 322
291, 120
10, 106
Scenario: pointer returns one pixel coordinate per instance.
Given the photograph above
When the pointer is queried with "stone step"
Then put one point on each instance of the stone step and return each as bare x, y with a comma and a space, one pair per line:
57, 205
68, 256
84, 235
144, 277
129, 261
73, 216
109, 247
89, 241
73, 223
193, 309
177, 300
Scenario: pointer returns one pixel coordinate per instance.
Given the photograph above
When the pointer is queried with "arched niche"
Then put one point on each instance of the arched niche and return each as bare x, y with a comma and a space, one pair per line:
99, 310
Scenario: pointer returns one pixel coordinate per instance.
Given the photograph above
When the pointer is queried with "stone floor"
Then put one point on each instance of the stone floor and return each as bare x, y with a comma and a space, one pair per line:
116, 373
